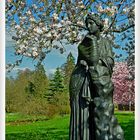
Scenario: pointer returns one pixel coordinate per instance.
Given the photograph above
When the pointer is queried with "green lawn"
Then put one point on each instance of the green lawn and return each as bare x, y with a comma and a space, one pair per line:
21, 127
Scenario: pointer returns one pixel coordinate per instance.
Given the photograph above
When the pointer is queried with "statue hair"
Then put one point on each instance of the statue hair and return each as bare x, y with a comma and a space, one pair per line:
96, 19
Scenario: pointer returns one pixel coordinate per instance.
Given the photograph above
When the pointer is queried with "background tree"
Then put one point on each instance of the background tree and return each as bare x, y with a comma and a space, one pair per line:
15, 91
30, 89
58, 93
67, 69
9, 95
41, 25
124, 93
38, 83
40, 80
56, 83
26, 92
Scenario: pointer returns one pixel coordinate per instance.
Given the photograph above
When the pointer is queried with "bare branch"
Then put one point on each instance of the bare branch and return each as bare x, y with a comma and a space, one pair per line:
122, 20
123, 29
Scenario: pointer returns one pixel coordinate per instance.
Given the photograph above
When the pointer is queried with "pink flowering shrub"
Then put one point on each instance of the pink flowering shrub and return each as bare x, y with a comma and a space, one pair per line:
123, 87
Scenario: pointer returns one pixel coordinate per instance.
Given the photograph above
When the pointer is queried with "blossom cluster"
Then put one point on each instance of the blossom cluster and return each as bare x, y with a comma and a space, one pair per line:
123, 87
41, 26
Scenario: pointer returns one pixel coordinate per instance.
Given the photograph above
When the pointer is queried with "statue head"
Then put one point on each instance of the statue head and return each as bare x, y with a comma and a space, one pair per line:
94, 23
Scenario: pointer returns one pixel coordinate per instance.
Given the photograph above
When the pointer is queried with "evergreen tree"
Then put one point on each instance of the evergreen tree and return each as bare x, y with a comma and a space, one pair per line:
56, 84
68, 68
30, 89
39, 82
58, 96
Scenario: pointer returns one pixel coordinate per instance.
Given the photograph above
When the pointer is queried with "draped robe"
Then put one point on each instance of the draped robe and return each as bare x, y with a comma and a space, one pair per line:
91, 93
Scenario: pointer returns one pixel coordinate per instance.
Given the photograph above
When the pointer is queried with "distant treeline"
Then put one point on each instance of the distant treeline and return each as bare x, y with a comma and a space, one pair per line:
32, 92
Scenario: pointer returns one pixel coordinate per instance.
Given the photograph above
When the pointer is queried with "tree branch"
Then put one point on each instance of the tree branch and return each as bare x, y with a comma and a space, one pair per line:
80, 26
122, 19
115, 15
124, 29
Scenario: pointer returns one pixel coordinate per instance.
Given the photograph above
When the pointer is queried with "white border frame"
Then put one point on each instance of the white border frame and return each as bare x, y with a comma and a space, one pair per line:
2, 70
137, 72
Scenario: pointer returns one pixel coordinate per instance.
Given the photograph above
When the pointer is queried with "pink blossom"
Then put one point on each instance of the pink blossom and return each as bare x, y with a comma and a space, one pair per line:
123, 88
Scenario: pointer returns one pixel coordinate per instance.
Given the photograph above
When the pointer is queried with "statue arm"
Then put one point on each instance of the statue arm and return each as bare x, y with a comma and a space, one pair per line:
88, 50
107, 58
110, 58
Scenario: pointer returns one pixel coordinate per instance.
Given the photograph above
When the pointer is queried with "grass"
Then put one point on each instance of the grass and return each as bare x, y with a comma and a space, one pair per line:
54, 129
126, 120
17, 117
23, 127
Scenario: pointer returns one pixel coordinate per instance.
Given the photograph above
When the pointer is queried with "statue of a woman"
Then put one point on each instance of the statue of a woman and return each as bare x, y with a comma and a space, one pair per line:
91, 88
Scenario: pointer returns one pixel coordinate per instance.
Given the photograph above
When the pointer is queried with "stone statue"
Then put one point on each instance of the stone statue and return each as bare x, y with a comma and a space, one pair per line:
91, 88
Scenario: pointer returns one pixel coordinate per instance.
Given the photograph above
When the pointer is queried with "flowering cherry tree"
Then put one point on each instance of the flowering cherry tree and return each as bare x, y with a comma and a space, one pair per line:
123, 87
38, 26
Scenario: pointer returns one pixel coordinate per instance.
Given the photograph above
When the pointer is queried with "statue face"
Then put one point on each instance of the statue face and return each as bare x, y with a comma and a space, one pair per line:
93, 28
